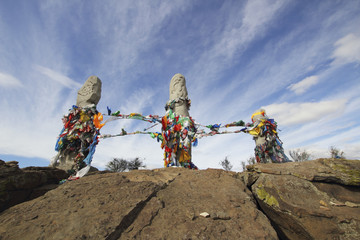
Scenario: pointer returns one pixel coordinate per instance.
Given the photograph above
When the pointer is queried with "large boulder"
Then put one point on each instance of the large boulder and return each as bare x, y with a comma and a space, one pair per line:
19, 185
311, 200
157, 204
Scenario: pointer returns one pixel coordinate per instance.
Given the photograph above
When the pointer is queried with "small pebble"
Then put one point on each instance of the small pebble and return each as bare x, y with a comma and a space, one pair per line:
205, 214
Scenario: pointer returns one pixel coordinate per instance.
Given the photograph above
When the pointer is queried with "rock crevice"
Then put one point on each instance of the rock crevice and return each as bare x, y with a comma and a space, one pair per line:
129, 218
307, 200
269, 201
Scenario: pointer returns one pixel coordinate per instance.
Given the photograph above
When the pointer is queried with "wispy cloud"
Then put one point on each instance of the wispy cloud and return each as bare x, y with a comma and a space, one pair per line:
58, 77
347, 49
242, 26
304, 84
129, 29
347, 140
8, 81
255, 18
236, 56
251, 21
296, 113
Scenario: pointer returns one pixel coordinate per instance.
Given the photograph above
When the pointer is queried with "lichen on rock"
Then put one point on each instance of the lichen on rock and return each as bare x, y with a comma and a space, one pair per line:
266, 197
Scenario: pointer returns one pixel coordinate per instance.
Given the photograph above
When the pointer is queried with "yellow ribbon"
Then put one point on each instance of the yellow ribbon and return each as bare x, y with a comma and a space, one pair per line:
184, 156
84, 117
256, 131
258, 113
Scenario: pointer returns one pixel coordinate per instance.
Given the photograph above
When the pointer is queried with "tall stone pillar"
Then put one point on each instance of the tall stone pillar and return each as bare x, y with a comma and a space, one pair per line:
178, 128
77, 140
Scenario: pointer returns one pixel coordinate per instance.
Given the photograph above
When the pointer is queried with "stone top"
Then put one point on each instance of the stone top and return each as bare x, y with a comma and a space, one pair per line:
90, 93
179, 94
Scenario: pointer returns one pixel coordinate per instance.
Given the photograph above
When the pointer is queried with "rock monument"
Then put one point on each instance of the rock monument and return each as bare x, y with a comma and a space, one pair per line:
258, 116
178, 128
179, 95
268, 145
76, 143
90, 93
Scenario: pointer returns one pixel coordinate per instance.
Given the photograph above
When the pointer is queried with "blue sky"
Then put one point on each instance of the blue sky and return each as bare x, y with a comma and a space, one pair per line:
300, 60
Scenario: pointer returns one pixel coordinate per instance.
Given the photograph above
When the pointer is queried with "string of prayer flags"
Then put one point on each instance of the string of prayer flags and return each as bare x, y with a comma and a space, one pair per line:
178, 132
79, 135
240, 123
268, 144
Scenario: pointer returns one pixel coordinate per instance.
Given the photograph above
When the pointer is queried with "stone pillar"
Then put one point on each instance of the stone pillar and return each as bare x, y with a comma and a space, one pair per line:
90, 93
179, 96
268, 146
178, 128
79, 131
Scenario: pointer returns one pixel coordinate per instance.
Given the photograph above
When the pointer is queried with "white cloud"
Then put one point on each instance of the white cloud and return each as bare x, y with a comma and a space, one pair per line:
142, 146
304, 84
125, 36
137, 101
58, 77
258, 15
347, 140
310, 133
347, 49
251, 22
130, 28
299, 113
9, 81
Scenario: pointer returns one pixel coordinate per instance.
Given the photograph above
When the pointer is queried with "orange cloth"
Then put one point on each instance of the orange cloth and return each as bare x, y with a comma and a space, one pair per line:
97, 121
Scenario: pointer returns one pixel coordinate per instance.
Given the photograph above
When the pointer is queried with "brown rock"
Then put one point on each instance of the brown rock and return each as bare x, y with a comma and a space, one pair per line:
175, 214
18, 185
8, 169
308, 200
341, 171
157, 204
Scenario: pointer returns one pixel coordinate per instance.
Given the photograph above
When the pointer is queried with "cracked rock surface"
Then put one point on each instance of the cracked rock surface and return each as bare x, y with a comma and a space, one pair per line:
318, 199
156, 204
175, 211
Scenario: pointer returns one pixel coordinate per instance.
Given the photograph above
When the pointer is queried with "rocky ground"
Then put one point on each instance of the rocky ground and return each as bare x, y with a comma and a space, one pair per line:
311, 200
19, 185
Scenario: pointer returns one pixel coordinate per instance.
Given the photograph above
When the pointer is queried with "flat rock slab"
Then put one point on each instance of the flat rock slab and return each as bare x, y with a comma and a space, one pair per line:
341, 171
175, 212
93, 207
312, 200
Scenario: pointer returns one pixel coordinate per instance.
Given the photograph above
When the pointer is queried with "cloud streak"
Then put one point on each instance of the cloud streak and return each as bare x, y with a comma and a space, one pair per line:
8, 81
57, 77
296, 113
236, 56
303, 85
347, 49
